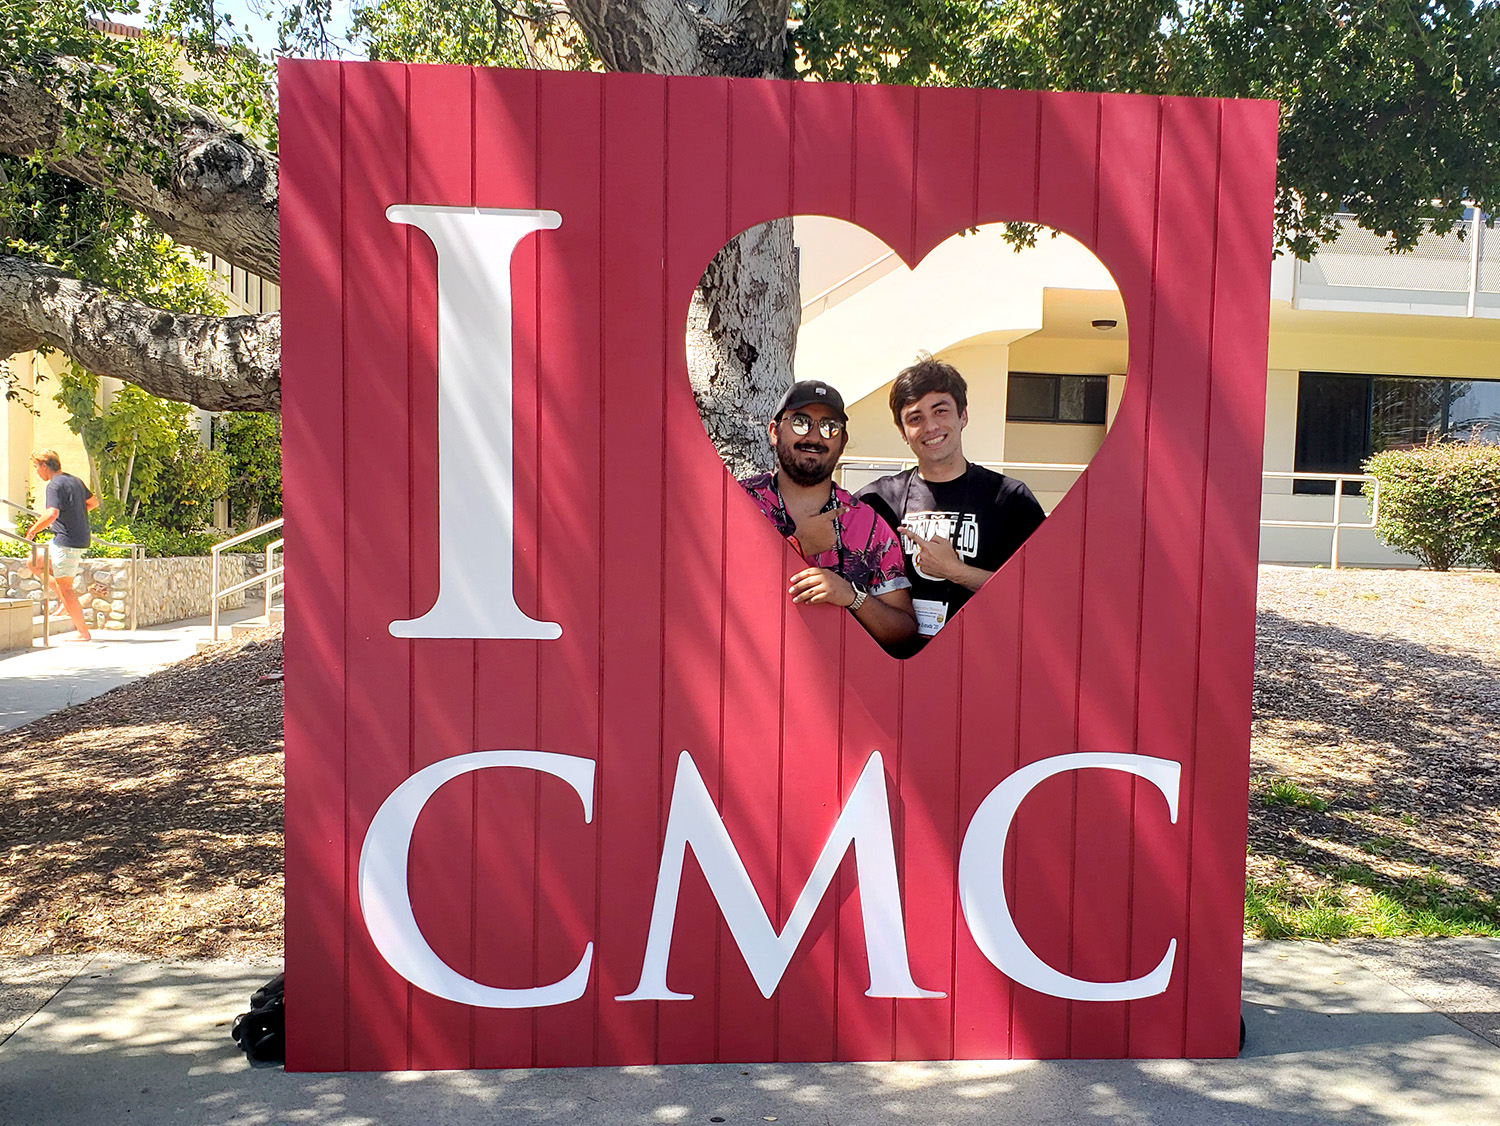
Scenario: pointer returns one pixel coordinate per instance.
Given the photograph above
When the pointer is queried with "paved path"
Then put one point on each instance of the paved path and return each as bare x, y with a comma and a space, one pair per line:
35, 682
1334, 1037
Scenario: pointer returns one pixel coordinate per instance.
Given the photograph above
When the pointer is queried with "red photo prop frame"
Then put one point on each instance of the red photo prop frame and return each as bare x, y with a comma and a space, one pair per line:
570, 781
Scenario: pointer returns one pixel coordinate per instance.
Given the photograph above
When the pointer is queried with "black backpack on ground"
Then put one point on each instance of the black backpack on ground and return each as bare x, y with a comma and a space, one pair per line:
262, 1031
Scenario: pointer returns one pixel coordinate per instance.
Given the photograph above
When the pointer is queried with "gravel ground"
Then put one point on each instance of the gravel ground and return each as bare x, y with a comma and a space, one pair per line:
148, 821
1377, 693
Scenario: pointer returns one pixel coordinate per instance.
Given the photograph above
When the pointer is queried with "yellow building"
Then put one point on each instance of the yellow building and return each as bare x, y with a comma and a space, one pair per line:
1367, 351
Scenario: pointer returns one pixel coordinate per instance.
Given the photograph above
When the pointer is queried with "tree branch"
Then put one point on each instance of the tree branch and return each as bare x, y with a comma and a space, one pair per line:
212, 189
217, 363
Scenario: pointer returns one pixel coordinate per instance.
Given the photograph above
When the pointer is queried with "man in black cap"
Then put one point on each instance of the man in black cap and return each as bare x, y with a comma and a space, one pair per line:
854, 557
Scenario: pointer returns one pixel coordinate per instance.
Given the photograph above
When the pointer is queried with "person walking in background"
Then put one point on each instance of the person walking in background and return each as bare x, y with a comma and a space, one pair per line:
66, 511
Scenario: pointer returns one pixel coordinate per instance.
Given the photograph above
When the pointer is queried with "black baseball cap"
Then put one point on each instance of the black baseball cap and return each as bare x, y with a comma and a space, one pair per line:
806, 391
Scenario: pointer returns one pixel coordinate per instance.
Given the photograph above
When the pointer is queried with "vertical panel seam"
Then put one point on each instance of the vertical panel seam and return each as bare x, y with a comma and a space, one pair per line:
349, 907
411, 578
1140, 600
541, 571
600, 767
1010, 986
473, 645
661, 594
1192, 805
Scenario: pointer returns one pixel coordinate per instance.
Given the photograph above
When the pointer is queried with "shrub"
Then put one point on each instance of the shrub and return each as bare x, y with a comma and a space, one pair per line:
107, 535
251, 444
1441, 503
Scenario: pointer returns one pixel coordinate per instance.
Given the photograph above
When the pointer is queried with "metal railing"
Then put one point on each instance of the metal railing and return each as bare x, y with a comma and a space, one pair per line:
37, 563
1339, 481
1337, 524
272, 580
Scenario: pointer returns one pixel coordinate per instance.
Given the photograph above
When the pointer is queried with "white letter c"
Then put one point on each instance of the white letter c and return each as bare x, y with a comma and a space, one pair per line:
981, 879
385, 898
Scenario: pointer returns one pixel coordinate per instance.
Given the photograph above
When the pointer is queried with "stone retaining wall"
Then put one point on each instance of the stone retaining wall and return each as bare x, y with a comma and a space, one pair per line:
170, 589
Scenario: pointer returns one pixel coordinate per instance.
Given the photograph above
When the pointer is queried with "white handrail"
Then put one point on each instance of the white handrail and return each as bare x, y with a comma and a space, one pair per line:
1340, 481
268, 578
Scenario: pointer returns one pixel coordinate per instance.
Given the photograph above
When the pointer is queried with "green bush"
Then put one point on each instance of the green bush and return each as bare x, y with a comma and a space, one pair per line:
1441, 503
251, 445
107, 537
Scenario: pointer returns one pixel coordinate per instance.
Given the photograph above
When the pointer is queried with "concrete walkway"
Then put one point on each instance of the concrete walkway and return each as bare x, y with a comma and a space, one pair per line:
1336, 1035
37, 681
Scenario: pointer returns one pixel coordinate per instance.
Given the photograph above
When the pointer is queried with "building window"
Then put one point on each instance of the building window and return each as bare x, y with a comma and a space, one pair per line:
1342, 419
1032, 397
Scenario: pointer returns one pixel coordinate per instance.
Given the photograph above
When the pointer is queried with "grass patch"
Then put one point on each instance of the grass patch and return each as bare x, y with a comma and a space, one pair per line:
1365, 905
1283, 791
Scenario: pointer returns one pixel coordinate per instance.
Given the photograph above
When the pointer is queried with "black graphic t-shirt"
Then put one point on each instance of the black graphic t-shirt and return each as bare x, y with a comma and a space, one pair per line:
986, 514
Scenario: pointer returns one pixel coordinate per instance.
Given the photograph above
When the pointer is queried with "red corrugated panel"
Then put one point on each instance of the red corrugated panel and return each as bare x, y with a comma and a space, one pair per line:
1125, 625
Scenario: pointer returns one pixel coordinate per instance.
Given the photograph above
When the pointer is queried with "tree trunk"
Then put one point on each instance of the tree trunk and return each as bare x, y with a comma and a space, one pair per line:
216, 363
742, 328
741, 336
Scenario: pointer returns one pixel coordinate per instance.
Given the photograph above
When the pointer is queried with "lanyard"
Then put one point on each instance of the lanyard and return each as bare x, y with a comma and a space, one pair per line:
838, 525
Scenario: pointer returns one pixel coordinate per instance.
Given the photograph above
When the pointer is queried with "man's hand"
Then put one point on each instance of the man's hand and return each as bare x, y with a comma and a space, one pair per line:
937, 557
818, 585
815, 534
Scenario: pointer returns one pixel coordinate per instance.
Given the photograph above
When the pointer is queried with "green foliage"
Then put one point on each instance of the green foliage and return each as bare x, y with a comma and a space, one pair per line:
190, 478
108, 535
470, 32
53, 219
1284, 791
186, 55
1441, 503
251, 445
1388, 110
145, 458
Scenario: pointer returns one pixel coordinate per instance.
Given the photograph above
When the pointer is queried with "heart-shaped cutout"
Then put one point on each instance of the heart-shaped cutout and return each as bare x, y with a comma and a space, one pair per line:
1036, 329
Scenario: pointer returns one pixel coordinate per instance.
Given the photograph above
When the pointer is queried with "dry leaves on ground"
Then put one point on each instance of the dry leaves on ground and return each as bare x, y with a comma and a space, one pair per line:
1377, 693
148, 820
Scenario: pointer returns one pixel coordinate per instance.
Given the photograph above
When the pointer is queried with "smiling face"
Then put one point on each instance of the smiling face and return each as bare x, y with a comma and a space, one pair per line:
933, 427
808, 459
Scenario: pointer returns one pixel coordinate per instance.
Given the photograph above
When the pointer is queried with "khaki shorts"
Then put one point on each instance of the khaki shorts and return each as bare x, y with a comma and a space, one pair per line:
64, 561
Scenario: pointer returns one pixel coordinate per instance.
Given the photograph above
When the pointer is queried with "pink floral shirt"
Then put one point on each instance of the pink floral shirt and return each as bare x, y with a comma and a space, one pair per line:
866, 551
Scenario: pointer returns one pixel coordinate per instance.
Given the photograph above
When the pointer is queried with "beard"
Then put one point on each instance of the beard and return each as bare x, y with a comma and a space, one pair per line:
806, 467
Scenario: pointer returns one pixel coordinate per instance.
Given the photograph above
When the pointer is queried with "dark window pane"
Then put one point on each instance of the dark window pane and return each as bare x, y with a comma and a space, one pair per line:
1333, 427
1405, 412
1031, 398
1082, 398
1474, 410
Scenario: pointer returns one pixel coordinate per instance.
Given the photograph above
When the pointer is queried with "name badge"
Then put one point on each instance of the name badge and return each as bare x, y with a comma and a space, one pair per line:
931, 614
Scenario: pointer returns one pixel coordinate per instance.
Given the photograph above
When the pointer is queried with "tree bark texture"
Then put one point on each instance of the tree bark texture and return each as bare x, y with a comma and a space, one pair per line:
742, 329
212, 189
216, 363
741, 340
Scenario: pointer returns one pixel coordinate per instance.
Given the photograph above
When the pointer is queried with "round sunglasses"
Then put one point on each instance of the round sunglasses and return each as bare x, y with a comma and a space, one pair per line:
802, 424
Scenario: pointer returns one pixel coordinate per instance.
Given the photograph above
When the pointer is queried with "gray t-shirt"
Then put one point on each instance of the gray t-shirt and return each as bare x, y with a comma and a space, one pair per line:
68, 495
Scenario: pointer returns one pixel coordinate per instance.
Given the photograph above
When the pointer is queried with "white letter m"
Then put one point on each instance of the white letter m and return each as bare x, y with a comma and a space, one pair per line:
864, 823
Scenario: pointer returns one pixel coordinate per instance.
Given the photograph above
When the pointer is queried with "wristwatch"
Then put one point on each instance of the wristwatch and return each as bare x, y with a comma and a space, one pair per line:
860, 594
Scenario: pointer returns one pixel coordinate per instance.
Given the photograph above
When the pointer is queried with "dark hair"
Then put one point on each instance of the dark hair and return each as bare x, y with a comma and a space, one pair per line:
923, 378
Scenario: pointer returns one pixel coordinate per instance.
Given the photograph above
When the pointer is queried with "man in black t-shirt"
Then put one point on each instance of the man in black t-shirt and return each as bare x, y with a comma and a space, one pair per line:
958, 521
66, 511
